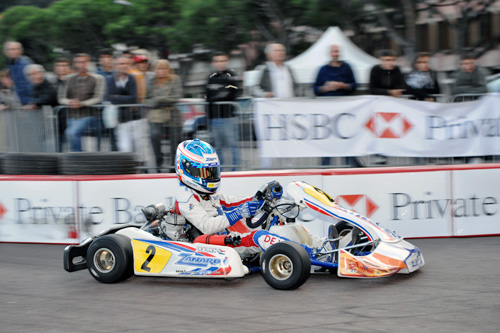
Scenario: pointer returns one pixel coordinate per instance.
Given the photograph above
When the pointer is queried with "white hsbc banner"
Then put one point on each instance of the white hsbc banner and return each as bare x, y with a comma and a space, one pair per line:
365, 125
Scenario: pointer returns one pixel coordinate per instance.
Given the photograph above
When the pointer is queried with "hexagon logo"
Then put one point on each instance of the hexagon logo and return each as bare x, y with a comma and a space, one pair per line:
388, 125
360, 203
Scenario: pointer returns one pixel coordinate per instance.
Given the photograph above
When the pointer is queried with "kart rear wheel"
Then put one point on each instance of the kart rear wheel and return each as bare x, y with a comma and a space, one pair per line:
286, 266
109, 258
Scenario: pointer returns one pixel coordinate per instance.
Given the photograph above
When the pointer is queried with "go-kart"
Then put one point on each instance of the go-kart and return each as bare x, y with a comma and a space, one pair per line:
356, 246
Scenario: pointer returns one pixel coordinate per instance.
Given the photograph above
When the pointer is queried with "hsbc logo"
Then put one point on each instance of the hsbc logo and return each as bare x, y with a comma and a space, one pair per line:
388, 125
360, 203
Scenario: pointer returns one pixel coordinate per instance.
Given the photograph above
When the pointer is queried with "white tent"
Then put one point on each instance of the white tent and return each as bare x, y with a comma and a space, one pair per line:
306, 65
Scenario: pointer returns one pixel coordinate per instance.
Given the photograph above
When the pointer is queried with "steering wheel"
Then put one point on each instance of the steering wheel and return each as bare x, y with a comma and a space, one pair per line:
268, 193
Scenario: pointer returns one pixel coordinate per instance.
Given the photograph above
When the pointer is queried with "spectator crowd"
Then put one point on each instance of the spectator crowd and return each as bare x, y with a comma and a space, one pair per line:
141, 96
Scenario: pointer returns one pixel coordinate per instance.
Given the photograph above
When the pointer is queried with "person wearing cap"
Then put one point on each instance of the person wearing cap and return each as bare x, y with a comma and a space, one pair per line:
139, 79
141, 63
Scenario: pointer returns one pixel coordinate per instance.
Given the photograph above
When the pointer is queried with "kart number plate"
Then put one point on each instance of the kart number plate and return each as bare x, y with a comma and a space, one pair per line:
149, 258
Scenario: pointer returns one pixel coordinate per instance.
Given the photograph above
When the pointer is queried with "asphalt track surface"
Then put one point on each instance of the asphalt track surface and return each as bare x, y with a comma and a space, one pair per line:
458, 290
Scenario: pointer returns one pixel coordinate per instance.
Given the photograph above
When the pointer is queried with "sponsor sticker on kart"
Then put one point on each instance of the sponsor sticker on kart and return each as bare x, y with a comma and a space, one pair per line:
205, 265
367, 266
415, 261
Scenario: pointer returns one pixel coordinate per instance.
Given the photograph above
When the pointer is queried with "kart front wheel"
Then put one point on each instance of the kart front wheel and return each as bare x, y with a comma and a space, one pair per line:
109, 258
286, 266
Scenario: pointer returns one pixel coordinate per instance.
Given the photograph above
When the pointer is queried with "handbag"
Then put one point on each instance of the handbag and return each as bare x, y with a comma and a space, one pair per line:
110, 115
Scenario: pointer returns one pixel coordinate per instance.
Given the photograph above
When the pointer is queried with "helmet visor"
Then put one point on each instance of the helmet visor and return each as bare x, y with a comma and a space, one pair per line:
207, 173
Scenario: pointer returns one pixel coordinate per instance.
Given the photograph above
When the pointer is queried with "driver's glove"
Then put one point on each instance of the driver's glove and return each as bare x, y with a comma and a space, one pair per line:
247, 209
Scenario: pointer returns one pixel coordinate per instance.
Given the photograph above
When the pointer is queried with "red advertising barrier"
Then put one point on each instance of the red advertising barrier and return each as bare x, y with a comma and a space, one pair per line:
427, 201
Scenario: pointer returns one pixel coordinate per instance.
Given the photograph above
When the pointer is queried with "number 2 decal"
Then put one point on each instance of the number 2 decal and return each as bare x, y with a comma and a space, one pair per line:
151, 250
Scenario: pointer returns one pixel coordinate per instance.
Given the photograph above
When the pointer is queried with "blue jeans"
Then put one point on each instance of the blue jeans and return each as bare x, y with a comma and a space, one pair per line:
76, 127
225, 135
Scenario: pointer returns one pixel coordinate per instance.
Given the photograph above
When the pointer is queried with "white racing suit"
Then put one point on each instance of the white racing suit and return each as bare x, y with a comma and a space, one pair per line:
207, 214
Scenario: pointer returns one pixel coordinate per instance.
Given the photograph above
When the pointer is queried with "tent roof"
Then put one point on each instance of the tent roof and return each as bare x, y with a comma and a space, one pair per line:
306, 65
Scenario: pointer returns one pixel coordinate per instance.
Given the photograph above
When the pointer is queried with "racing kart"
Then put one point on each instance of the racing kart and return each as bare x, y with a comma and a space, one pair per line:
356, 246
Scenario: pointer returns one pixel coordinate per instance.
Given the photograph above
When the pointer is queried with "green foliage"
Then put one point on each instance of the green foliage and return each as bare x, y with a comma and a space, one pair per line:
217, 24
174, 25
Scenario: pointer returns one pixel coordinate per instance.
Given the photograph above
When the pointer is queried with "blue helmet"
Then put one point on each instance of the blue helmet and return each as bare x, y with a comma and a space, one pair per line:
197, 166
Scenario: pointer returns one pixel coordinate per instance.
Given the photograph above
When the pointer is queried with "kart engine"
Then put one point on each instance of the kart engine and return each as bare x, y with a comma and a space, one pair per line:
166, 224
173, 226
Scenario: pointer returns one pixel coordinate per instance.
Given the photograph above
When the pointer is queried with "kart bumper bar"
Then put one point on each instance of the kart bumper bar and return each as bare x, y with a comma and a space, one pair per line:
74, 251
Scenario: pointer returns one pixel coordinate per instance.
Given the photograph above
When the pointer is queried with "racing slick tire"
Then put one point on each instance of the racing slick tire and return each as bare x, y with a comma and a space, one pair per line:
285, 266
90, 163
109, 258
31, 163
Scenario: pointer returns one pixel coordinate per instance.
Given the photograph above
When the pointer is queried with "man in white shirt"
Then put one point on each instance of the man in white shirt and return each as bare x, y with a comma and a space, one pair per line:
276, 78
276, 81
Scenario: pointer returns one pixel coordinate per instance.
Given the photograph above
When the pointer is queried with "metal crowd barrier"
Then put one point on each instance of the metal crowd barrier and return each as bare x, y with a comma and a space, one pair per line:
465, 97
155, 144
27, 131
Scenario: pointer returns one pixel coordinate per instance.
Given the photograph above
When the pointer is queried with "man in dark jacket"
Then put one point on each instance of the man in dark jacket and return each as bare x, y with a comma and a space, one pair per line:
17, 62
43, 92
32, 122
221, 87
122, 89
335, 78
387, 78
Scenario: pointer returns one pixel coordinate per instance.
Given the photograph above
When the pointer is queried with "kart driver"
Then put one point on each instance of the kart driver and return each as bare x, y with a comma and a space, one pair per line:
198, 168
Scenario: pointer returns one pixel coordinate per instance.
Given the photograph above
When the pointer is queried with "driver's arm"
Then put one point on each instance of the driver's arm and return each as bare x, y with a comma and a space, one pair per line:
195, 213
